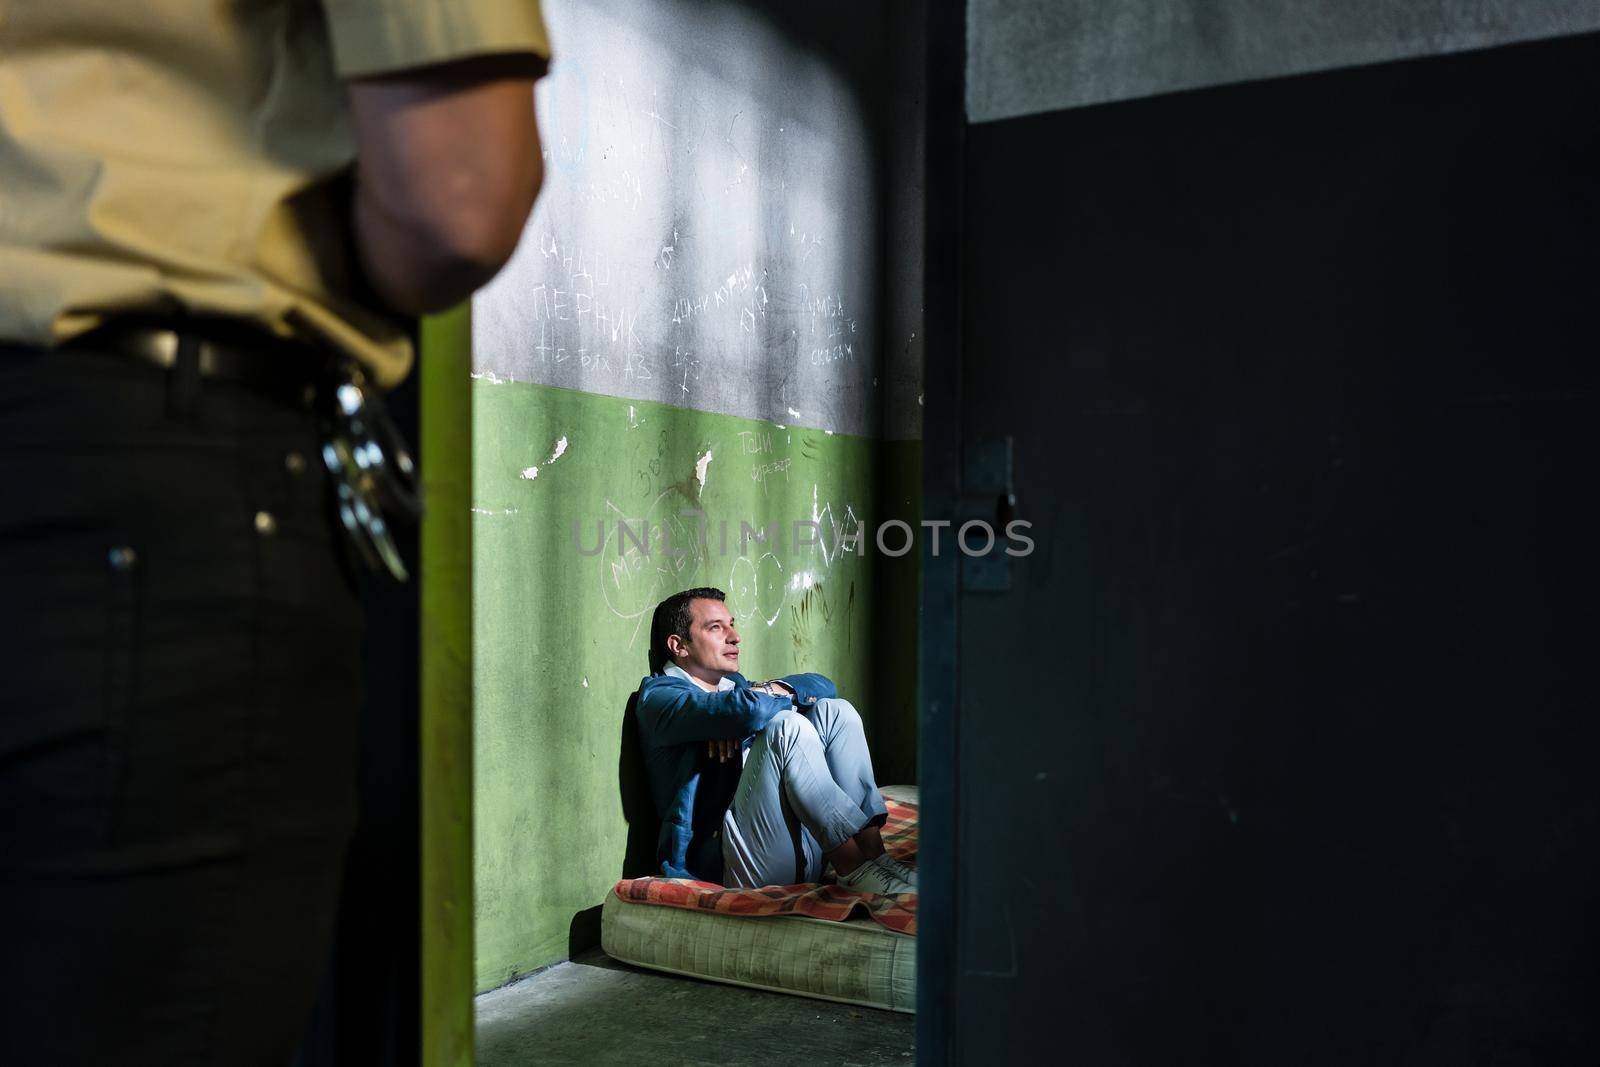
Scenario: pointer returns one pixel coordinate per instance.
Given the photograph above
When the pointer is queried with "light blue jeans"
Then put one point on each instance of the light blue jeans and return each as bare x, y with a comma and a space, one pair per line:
807, 785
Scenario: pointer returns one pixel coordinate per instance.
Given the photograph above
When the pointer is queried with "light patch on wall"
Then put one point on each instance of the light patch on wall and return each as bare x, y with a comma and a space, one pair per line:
802, 580
530, 473
700, 466
711, 186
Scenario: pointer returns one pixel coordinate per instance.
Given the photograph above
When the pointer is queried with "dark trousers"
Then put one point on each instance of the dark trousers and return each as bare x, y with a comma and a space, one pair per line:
179, 690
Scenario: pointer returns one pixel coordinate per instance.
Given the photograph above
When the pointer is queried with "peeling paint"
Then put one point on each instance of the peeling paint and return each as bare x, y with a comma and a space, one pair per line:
586, 681
793, 414
492, 378
530, 473
561, 447
700, 466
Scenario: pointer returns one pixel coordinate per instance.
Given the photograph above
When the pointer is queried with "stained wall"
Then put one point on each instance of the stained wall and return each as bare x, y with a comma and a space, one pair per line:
691, 336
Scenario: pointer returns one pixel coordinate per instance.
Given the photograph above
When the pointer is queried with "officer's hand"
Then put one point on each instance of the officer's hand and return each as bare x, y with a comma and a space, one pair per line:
722, 751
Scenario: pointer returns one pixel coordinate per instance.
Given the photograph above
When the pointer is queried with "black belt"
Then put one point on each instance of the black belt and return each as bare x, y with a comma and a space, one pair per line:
217, 353
374, 477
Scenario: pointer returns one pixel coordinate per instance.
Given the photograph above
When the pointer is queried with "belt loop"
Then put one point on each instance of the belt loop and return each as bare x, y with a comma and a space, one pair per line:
183, 382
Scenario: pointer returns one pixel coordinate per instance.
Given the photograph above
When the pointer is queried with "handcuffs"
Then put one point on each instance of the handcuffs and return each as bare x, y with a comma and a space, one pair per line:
373, 473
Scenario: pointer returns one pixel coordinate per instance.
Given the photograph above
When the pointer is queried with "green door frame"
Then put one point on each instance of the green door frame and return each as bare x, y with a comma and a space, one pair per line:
446, 690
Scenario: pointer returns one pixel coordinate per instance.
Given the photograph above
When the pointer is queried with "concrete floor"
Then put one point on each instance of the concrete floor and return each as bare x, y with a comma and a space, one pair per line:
595, 1010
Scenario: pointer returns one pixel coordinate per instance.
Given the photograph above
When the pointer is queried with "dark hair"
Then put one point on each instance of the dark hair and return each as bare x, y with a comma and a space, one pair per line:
673, 617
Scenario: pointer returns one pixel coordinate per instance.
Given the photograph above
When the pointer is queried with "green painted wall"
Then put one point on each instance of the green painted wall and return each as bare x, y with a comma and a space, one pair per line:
446, 684
560, 637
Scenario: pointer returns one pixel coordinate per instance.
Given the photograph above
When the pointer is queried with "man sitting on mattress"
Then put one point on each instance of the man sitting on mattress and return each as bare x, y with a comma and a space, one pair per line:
755, 784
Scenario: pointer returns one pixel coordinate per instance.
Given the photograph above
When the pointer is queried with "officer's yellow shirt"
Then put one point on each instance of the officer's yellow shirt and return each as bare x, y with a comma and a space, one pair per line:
163, 154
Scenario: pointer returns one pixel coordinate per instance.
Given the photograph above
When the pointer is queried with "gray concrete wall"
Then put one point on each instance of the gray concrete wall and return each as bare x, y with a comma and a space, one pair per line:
1028, 56
710, 230
905, 155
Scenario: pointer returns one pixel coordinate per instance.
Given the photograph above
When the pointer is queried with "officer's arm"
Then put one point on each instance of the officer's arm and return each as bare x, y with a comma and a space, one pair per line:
447, 167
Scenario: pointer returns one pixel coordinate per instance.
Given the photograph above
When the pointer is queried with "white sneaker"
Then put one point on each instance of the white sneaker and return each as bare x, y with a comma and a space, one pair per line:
904, 871
874, 877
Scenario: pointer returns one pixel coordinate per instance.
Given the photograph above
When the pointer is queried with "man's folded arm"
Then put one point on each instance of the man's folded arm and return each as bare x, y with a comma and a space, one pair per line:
809, 688
675, 715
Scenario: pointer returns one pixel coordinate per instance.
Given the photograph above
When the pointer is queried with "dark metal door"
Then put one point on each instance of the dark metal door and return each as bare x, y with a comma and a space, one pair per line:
1275, 749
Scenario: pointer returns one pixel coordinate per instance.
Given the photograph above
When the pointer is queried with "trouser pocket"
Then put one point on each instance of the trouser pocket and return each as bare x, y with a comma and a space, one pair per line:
70, 624
120, 691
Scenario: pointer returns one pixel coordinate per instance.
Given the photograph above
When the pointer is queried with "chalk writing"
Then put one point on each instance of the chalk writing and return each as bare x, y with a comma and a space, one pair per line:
668, 253
742, 288
830, 331
641, 558
754, 444
683, 361
757, 587
760, 472
579, 314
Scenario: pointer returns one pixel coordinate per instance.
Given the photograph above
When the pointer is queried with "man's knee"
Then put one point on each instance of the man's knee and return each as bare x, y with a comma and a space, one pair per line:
837, 711
785, 724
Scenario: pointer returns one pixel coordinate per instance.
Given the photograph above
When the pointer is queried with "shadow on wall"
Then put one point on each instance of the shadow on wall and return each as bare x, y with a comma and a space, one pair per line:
638, 808
639, 812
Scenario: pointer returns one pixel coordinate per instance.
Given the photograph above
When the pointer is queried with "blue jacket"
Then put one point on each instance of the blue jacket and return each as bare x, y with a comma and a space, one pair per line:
692, 790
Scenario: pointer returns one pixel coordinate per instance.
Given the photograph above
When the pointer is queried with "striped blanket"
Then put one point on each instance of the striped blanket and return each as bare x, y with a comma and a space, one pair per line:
813, 900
